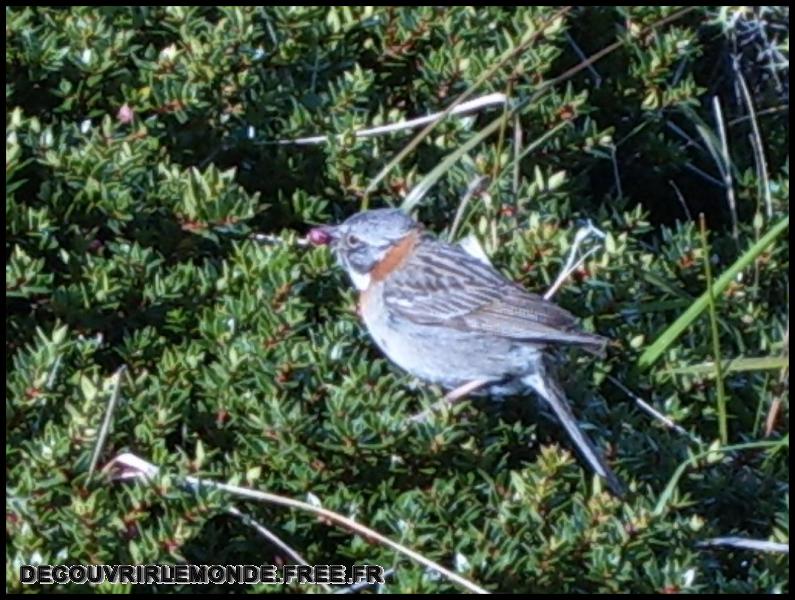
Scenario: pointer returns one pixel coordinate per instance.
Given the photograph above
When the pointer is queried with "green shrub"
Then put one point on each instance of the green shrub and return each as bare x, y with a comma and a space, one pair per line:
141, 156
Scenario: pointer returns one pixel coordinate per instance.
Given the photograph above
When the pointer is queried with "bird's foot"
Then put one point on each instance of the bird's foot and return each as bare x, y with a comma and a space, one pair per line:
449, 399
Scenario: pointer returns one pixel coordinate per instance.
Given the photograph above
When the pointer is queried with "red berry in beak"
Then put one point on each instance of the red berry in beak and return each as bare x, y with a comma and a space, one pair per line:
319, 236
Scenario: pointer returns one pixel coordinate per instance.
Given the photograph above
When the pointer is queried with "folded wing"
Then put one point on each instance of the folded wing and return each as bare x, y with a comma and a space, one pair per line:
444, 285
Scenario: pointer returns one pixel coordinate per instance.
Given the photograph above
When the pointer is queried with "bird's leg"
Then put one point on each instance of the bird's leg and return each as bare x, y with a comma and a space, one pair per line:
449, 399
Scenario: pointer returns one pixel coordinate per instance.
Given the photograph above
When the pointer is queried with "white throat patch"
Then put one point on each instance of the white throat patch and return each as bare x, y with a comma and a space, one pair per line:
360, 280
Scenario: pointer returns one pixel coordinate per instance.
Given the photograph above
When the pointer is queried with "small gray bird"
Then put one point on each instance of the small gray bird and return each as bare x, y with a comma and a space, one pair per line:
449, 318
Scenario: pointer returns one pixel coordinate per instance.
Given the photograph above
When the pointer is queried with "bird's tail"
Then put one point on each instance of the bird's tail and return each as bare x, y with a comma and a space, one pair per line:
550, 391
595, 344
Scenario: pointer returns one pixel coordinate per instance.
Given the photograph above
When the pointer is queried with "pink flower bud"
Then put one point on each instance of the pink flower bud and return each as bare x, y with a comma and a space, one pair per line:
125, 114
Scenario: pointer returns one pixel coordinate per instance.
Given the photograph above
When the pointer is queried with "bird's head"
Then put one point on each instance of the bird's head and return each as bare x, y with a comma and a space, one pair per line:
364, 240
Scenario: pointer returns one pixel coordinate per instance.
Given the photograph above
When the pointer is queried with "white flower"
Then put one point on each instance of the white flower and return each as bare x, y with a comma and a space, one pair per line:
168, 53
461, 563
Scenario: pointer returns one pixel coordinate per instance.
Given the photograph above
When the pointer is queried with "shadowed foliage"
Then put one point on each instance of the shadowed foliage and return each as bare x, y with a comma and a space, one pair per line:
141, 159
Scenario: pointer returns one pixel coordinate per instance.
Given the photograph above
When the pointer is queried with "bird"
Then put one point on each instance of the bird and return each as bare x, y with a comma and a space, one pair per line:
450, 318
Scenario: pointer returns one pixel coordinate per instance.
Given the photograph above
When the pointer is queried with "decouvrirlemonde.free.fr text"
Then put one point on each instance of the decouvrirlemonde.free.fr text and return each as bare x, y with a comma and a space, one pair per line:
198, 574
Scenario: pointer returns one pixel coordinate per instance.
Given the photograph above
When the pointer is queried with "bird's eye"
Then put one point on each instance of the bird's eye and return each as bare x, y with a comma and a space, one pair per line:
353, 241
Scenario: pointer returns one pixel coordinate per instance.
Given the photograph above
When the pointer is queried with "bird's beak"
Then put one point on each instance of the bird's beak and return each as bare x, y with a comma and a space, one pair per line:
323, 235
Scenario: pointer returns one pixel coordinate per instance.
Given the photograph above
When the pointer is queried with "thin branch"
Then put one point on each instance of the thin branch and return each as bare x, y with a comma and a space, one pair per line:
269, 535
105, 429
681, 200
645, 406
464, 95
472, 105
582, 234
129, 466
597, 78
746, 544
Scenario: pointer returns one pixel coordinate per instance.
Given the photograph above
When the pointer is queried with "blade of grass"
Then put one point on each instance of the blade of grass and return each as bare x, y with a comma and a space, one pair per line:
783, 385
736, 365
659, 306
529, 148
430, 179
538, 93
485, 76
507, 114
756, 142
661, 344
418, 191
662, 284
727, 165
668, 492
713, 325
517, 148
475, 186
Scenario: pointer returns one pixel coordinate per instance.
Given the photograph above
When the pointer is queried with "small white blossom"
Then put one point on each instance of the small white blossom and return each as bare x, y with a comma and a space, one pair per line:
168, 53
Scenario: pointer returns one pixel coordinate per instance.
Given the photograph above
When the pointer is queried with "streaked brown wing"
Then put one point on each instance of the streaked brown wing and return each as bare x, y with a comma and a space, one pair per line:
444, 285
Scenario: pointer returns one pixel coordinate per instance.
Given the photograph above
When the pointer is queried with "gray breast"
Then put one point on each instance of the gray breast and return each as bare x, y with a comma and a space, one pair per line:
437, 354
